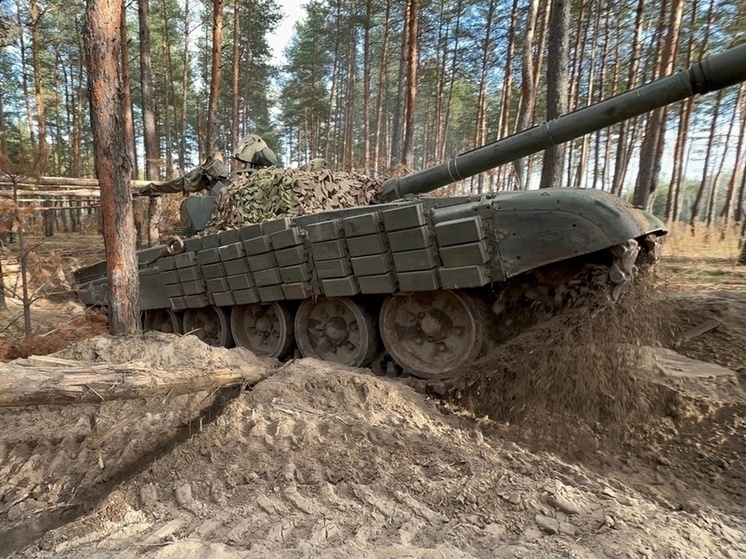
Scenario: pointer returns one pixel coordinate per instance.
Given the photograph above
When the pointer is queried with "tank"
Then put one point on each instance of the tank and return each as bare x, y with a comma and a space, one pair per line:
415, 282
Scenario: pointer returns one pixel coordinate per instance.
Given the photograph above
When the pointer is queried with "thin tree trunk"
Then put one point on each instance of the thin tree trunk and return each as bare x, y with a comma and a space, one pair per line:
411, 97
480, 135
624, 142
103, 53
382, 83
41, 163
150, 132
399, 125
735, 177
128, 124
714, 130
184, 90
366, 84
24, 78
528, 93
234, 76
169, 97
651, 151
551, 172
212, 110
705, 187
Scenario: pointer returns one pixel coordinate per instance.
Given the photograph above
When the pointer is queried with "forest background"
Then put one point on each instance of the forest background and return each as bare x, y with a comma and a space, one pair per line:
382, 86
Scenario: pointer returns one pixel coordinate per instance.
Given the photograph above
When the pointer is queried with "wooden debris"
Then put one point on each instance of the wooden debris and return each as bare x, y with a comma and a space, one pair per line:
60, 382
696, 331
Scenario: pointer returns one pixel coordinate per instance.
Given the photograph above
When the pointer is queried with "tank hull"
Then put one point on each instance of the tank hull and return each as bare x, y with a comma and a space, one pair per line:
428, 244
413, 280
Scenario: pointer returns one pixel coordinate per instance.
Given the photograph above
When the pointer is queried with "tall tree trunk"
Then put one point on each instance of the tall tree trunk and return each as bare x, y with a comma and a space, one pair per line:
480, 135
651, 151
677, 186
170, 95
24, 77
714, 129
41, 163
705, 185
103, 53
234, 77
366, 84
738, 170
212, 110
624, 142
128, 125
382, 83
551, 172
452, 77
150, 132
399, 125
184, 91
349, 103
528, 93
412, 63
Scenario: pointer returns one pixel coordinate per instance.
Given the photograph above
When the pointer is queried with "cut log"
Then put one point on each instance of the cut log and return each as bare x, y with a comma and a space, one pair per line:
46, 381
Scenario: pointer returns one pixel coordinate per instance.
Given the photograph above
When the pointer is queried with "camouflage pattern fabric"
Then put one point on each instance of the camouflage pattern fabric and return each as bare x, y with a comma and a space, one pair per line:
272, 193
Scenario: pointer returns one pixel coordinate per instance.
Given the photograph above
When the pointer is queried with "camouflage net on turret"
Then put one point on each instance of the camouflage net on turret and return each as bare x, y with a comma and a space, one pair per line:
272, 193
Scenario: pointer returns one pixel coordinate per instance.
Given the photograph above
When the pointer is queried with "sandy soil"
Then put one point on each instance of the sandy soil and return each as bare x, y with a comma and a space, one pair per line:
615, 435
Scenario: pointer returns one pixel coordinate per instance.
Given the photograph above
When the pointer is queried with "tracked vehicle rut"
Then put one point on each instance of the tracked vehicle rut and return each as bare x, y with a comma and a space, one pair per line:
427, 281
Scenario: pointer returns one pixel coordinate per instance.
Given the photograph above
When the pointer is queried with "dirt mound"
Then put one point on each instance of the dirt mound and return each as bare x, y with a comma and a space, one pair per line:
55, 460
327, 461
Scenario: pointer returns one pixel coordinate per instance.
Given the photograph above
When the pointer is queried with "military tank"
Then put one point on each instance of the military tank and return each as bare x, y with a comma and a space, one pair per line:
427, 281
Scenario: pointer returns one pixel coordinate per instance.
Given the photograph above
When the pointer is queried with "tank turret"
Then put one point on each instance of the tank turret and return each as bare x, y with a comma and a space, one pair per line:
713, 73
422, 284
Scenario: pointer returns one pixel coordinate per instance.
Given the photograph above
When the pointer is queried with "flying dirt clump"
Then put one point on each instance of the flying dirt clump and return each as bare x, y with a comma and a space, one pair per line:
579, 365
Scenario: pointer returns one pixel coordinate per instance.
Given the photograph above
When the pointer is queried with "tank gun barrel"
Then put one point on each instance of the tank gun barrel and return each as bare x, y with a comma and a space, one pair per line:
713, 73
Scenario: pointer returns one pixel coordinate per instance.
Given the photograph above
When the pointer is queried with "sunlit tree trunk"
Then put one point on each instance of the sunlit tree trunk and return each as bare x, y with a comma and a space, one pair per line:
41, 163
382, 82
398, 130
184, 89
128, 125
480, 134
557, 62
234, 76
651, 151
103, 54
411, 93
738, 169
626, 129
211, 130
170, 94
150, 132
528, 93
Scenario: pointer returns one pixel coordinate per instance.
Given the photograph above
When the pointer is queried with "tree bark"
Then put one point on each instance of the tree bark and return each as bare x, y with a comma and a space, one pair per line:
528, 93
651, 151
557, 62
382, 83
211, 131
129, 123
103, 51
40, 163
150, 133
411, 93
51, 381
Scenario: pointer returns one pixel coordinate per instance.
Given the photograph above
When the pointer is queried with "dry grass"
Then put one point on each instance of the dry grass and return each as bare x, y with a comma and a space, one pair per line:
705, 257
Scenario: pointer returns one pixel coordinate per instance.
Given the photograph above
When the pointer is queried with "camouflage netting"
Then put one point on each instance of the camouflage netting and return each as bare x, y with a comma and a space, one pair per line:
271, 193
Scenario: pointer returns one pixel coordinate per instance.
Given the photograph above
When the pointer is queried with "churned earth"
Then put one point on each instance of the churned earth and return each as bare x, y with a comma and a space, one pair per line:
612, 434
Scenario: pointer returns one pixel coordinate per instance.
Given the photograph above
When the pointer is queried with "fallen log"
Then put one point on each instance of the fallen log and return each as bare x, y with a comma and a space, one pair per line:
50, 380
